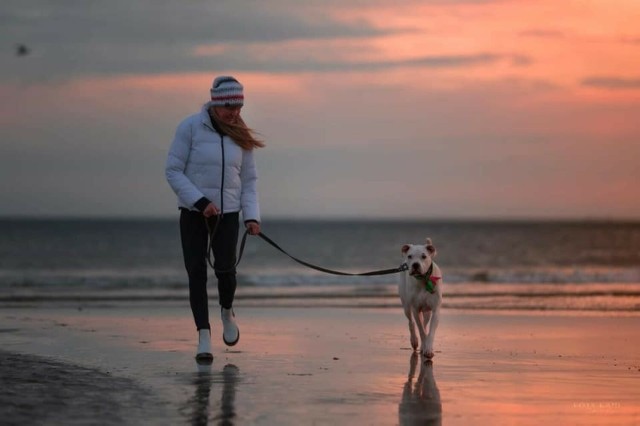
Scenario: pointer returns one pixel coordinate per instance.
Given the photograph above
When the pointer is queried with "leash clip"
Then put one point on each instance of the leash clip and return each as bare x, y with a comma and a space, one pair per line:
404, 267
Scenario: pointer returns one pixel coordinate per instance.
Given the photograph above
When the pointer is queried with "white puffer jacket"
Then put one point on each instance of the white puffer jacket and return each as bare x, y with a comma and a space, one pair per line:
194, 168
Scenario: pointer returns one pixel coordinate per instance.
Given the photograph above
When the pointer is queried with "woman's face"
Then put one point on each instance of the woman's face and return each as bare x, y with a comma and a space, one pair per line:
228, 114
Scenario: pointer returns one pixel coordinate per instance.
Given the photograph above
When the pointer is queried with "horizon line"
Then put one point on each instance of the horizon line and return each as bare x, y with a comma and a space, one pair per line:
23, 217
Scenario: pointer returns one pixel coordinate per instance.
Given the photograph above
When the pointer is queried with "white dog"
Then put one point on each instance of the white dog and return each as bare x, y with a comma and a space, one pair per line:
420, 291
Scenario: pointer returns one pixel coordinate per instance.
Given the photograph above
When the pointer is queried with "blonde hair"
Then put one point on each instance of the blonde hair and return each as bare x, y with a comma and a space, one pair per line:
241, 134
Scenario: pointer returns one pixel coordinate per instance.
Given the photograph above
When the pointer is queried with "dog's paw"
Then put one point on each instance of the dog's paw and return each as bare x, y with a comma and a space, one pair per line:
427, 352
414, 342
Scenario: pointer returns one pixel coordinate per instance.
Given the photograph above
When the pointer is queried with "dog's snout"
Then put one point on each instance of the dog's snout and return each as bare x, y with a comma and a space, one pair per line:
415, 265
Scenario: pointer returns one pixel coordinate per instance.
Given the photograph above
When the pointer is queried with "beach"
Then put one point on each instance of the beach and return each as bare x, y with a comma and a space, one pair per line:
319, 365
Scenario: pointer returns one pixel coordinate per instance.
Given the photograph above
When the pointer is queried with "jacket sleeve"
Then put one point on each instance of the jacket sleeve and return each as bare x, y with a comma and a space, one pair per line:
177, 163
249, 180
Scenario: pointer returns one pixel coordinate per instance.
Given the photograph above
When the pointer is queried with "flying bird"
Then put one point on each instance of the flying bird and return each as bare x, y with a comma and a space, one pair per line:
22, 50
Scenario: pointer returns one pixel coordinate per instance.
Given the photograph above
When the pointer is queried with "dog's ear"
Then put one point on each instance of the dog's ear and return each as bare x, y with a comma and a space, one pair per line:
405, 248
430, 248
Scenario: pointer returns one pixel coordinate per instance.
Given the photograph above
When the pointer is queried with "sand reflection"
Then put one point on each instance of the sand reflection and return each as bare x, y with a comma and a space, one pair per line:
420, 404
199, 408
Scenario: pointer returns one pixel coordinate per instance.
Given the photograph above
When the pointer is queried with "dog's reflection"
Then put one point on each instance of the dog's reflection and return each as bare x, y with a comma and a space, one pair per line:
420, 404
198, 404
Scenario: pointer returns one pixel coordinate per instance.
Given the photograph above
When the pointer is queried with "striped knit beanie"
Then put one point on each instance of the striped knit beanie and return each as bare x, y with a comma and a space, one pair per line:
226, 91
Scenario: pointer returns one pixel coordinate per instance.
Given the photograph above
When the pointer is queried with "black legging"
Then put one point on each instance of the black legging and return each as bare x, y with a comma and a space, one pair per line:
194, 236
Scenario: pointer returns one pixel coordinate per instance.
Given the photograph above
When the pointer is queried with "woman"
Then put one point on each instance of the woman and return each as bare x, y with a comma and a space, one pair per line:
212, 170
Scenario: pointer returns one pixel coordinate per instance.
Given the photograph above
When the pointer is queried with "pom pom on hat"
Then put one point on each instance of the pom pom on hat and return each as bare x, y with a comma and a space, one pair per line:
226, 91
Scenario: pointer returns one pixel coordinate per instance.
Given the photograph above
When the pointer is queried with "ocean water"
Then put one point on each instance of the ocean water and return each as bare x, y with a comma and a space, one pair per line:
585, 266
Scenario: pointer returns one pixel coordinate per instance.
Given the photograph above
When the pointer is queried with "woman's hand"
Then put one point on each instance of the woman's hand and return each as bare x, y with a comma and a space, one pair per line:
210, 210
252, 227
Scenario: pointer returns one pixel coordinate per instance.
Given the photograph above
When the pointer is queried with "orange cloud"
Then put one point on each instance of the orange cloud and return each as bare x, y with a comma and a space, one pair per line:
562, 43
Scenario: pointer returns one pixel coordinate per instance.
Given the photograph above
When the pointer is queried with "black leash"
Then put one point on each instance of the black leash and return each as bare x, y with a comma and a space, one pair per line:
212, 232
401, 268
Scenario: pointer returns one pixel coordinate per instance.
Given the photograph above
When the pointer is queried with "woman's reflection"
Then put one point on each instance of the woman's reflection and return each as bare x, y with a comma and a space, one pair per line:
420, 404
198, 404
228, 399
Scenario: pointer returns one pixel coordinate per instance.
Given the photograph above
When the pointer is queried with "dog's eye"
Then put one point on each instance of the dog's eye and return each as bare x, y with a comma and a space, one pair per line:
424, 256
409, 257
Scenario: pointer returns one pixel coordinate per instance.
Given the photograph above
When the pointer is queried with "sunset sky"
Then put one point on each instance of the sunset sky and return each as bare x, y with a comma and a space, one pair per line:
400, 109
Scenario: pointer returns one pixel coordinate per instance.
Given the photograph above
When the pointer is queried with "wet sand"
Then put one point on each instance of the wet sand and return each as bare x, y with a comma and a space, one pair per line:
135, 365
39, 390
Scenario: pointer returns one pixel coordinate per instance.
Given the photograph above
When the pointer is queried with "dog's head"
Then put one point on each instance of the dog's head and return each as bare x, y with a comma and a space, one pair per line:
419, 257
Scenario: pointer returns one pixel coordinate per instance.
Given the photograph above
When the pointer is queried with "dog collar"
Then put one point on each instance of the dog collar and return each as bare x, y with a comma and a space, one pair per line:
429, 281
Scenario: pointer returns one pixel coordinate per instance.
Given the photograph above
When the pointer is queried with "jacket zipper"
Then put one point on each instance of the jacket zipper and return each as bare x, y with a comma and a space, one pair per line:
222, 179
